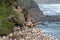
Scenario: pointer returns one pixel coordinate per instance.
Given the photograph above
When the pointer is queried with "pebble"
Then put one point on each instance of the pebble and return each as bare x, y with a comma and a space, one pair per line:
22, 39
27, 37
46, 34
15, 39
43, 38
10, 39
56, 39
50, 35
14, 32
4, 37
32, 34
19, 31
11, 34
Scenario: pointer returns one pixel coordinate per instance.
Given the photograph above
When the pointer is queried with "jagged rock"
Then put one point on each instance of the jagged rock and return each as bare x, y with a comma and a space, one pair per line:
32, 8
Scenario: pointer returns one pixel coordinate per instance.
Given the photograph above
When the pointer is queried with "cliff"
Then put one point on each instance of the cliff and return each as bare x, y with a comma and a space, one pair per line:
24, 29
33, 9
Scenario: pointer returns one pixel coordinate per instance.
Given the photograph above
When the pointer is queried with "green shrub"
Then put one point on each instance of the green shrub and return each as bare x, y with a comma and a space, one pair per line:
6, 26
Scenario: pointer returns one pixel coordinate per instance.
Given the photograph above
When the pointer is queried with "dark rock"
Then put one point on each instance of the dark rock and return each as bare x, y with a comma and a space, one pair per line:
33, 9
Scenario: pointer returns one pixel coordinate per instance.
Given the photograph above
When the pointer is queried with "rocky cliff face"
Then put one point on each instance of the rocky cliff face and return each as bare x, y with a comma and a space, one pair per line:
33, 9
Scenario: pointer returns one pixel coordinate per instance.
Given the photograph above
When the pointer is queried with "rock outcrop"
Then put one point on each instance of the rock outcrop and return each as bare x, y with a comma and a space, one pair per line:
33, 9
24, 32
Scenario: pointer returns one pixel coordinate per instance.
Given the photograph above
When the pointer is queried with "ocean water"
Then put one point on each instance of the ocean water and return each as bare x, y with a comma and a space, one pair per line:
50, 9
50, 28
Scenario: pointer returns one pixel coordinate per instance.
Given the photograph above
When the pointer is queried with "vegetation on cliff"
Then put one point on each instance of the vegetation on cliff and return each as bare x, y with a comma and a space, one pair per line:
5, 11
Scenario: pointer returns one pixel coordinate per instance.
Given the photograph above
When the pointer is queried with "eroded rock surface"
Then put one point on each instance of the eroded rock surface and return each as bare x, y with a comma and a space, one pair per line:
33, 9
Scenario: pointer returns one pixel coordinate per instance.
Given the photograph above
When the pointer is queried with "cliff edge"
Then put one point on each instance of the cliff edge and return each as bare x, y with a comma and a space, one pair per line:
33, 9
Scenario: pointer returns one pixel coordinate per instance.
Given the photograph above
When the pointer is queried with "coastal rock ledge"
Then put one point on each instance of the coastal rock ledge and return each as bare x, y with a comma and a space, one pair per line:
28, 34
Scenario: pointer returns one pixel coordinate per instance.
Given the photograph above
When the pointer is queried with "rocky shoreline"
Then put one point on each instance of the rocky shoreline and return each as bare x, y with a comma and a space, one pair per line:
24, 29
28, 34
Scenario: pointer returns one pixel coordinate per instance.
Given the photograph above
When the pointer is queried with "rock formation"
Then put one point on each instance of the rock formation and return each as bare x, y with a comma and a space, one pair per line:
21, 32
33, 9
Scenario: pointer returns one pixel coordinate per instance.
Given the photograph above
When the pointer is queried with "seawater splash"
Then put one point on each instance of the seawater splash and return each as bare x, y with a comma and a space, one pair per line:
46, 31
50, 9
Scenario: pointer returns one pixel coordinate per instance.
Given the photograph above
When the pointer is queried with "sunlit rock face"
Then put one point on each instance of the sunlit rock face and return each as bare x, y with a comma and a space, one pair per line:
33, 9
47, 1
